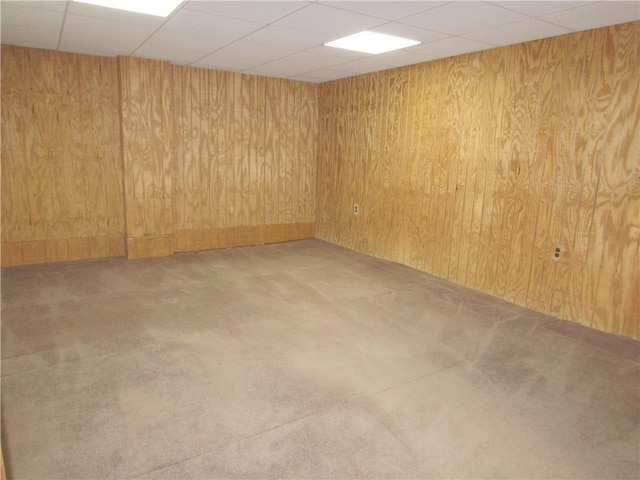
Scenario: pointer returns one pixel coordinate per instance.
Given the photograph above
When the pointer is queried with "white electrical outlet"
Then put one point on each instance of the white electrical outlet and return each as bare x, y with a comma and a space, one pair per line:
356, 209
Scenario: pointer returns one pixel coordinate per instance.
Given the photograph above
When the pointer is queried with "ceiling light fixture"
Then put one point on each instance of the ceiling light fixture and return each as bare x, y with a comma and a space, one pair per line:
159, 8
372, 42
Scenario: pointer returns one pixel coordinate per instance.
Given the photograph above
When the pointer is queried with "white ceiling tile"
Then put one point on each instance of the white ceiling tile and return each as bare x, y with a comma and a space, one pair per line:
50, 5
35, 18
114, 15
410, 32
179, 40
299, 63
388, 10
457, 18
179, 56
29, 37
190, 21
91, 48
338, 52
180, 60
177, 47
103, 35
450, 47
361, 69
278, 71
242, 56
366, 65
524, 31
537, 8
262, 12
595, 15
285, 38
329, 21
402, 57
324, 75
235, 35
308, 79
228, 67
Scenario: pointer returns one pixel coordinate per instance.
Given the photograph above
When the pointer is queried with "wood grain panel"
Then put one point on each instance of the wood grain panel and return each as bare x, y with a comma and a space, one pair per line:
628, 260
512, 173
147, 142
447, 155
590, 128
496, 147
419, 165
429, 202
245, 170
61, 250
186, 156
204, 239
61, 171
539, 70
464, 175
618, 179
491, 144
307, 120
568, 175
271, 149
486, 163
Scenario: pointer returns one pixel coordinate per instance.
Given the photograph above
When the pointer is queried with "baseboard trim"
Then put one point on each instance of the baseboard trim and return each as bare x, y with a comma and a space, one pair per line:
61, 250
206, 239
69, 249
152, 246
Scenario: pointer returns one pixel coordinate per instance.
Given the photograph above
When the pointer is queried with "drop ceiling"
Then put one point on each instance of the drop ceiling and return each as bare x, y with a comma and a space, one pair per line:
285, 38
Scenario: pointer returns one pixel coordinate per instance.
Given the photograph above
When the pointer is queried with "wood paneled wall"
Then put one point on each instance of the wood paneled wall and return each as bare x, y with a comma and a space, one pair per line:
61, 165
148, 156
98, 150
476, 168
260, 134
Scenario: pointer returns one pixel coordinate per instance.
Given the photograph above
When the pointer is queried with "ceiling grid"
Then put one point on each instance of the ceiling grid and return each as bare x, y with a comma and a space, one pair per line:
286, 38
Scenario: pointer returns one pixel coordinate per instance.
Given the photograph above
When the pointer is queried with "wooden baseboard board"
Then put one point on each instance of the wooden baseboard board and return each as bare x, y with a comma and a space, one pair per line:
191, 240
61, 250
156, 246
68, 249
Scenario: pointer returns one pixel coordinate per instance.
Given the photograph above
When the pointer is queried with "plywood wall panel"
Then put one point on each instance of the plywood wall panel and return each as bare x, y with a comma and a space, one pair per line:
271, 151
492, 115
147, 152
246, 167
590, 127
225, 158
617, 182
207, 159
417, 165
508, 169
307, 141
325, 162
539, 80
288, 172
61, 172
516, 173
451, 148
568, 173
488, 162
393, 146
460, 214
629, 255
598, 223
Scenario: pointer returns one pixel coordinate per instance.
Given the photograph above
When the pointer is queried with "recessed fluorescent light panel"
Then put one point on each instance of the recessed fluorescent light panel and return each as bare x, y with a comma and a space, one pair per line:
159, 8
372, 42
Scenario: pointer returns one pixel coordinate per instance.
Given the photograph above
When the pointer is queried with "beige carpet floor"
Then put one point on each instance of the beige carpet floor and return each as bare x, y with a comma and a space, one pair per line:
301, 360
